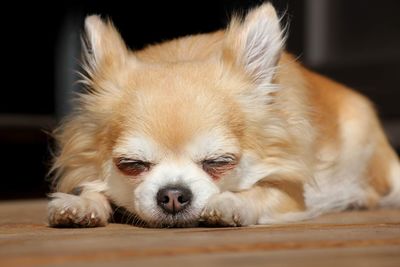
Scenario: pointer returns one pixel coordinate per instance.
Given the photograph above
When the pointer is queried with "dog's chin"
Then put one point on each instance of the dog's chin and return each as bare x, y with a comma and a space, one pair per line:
180, 220
159, 219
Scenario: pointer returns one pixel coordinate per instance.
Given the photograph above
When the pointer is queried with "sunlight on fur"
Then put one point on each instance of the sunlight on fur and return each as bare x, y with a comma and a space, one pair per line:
219, 129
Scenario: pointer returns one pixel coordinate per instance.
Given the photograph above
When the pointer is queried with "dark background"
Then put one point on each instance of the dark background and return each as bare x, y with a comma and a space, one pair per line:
356, 42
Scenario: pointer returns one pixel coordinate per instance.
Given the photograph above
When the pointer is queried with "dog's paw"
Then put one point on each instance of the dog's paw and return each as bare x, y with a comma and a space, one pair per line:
226, 209
65, 210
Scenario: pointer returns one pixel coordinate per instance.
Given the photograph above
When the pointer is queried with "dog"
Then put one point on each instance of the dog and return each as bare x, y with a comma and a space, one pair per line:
224, 128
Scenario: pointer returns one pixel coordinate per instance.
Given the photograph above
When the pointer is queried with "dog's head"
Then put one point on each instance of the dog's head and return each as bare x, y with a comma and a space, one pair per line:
171, 124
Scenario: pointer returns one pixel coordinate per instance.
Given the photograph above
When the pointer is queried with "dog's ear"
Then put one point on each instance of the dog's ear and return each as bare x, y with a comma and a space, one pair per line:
255, 43
103, 46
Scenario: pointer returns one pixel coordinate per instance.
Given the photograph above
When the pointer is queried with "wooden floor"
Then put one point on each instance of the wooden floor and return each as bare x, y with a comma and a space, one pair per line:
362, 238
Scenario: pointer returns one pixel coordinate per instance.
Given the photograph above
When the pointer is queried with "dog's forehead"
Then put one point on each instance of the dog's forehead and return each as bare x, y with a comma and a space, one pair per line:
172, 112
170, 73
174, 104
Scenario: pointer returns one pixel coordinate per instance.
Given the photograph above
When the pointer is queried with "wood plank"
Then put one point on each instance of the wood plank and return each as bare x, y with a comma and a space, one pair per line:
345, 239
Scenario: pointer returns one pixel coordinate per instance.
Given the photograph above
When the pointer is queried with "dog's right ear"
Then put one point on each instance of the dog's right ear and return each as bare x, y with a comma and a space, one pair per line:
103, 46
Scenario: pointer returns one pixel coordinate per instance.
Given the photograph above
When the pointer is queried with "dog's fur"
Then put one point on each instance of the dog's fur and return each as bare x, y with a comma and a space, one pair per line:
292, 144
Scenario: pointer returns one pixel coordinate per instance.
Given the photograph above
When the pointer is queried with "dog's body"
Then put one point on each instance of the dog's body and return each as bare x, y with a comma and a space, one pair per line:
223, 128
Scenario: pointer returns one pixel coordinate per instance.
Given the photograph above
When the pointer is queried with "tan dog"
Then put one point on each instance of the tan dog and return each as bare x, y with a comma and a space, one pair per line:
224, 128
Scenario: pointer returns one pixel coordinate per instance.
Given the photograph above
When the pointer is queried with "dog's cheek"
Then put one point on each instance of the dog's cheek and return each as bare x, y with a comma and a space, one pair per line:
144, 199
121, 190
203, 188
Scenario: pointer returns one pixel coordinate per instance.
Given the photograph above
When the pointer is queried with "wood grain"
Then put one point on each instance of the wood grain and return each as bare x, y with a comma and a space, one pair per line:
356, 238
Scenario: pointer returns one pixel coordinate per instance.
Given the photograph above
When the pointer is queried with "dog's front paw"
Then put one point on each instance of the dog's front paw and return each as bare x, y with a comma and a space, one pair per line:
65, 210
227, 209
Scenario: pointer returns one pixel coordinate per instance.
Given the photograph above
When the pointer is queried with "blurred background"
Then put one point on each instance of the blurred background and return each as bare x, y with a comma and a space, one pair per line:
355, 42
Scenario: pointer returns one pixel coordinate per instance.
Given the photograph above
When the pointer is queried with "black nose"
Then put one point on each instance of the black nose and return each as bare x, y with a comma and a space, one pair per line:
174, 199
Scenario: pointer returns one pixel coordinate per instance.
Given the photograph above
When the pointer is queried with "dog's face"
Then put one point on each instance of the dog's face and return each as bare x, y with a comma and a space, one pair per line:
177, 138
172, 134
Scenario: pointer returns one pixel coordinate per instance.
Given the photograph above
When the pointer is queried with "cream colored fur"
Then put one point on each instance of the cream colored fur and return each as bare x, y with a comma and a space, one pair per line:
295, 144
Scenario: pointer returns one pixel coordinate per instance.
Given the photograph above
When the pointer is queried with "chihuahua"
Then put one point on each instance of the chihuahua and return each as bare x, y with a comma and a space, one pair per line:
224, 128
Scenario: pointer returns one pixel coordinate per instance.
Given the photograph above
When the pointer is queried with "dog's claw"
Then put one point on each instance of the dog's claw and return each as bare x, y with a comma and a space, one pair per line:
75, 211
225, 209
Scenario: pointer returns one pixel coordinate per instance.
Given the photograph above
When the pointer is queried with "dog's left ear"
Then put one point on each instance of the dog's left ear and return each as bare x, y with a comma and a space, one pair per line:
255, 44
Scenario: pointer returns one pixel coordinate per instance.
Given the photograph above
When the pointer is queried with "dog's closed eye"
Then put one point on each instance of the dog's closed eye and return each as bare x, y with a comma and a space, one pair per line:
132, 167
217, 166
